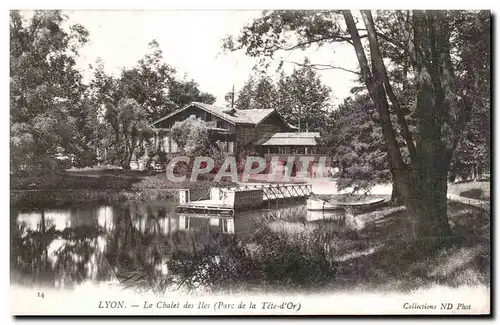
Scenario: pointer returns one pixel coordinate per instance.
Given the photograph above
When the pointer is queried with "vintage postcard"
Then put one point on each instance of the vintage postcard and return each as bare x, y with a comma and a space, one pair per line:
250, 162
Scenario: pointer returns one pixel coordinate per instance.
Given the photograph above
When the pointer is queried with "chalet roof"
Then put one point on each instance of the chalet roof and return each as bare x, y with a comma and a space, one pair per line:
290, 139
248, 116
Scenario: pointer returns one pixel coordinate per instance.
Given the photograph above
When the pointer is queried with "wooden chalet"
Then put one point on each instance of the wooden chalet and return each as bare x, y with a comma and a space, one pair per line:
263, 131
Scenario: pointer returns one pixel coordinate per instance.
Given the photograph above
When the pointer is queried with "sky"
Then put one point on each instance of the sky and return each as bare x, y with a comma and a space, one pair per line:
191, 41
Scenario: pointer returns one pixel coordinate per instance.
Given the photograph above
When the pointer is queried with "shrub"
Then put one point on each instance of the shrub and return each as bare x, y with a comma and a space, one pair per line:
273, 259
298, 260
191, 135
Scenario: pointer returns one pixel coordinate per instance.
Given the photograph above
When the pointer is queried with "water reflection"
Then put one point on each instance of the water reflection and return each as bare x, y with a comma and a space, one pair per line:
222, 224
134, 244
60, 248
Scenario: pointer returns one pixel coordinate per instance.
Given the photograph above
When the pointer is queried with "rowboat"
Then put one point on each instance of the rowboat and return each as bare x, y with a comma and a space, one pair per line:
323, 204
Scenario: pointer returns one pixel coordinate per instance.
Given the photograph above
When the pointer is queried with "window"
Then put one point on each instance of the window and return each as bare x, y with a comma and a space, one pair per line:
230, 147
174, 147
224, 226
165, 144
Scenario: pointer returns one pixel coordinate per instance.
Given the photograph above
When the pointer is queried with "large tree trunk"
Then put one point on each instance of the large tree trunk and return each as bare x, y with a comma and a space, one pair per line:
423, 184
427, 203
396, 196
435, 138
126, 162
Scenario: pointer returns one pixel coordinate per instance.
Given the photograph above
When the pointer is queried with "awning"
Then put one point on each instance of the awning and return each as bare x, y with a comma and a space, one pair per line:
290, 139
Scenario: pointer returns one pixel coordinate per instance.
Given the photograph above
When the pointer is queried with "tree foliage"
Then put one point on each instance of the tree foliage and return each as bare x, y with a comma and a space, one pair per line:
257, 93
148, 83
357, 144
246, 95
300, 97
191, 135
471, 41
131, 129
183, 92
303, 98
49, 110
353, 137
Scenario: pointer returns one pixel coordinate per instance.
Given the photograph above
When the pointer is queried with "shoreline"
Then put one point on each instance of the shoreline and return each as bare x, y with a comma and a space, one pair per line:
53, 199
70, 189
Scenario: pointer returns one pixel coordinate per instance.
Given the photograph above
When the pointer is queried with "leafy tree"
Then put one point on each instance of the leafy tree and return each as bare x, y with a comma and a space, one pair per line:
191, 135
148, 83
182, 92
471, 41
265, 95
257, 93
303, 98
441, 113
105, 92
130, 128
86, 140
352, 136
356, 144
443, 92
50, 113
246, 94
300, 97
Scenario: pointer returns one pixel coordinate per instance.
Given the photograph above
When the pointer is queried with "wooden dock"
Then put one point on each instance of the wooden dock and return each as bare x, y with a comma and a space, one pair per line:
273, 192
205, 207
226, 200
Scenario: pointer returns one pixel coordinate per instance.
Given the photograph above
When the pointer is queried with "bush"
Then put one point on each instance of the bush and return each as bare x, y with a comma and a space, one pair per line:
275, 260
298, 260
191, 135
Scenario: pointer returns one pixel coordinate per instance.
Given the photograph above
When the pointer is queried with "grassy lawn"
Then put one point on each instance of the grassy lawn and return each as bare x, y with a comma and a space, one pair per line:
382, 256
95, 185
73, 181
387, 259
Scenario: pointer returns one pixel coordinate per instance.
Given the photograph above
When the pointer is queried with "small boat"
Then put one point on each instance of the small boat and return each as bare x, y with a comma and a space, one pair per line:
362, 207
318, 204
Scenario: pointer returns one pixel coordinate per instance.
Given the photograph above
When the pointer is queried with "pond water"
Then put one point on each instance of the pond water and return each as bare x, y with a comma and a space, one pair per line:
130, 243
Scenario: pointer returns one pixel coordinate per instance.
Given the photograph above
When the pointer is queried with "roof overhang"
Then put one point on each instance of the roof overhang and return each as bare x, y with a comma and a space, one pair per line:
290, 139
188, 106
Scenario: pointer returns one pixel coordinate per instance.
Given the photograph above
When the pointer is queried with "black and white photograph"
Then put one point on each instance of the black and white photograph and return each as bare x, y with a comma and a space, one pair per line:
250, 162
